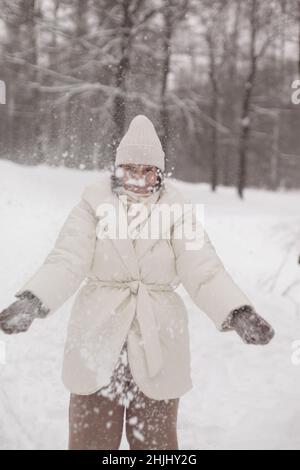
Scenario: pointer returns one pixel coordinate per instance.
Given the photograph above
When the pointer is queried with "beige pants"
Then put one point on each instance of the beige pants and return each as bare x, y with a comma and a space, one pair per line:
96, 421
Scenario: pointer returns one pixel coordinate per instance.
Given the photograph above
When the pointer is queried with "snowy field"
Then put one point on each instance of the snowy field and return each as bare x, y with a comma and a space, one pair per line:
244, 397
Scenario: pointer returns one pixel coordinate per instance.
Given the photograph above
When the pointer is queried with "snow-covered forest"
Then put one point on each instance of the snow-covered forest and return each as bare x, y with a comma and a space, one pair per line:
220, 80
216, 75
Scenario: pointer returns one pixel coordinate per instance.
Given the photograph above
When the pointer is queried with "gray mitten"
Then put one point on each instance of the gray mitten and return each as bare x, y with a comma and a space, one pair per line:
18, 317
252, 328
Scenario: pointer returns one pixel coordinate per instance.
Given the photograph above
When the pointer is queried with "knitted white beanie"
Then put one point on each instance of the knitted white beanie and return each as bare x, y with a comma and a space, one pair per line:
141, 145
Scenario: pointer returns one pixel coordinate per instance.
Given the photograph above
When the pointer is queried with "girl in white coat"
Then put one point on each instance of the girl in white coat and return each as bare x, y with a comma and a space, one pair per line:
127, 350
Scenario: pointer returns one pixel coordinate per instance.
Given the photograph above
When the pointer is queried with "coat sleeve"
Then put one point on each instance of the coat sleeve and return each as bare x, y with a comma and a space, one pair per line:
203, 275
69, 261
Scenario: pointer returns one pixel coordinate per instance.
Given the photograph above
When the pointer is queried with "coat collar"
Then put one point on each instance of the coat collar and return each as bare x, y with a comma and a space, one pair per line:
101, 192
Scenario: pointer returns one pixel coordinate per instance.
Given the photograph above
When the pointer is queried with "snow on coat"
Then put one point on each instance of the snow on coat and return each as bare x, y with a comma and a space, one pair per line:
129, 292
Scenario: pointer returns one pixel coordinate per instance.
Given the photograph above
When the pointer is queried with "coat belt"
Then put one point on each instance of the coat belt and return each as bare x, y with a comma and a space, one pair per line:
145, 316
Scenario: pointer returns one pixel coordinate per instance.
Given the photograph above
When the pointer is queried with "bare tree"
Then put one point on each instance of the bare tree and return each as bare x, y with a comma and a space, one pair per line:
31, 12
298, 5
173, 13
213, 15
259, 17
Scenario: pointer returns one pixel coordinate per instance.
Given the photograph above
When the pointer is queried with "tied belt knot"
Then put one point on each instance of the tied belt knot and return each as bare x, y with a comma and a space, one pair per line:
134, 286
144, 314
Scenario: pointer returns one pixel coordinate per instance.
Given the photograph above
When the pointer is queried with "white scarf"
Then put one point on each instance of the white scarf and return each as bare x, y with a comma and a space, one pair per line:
134, 198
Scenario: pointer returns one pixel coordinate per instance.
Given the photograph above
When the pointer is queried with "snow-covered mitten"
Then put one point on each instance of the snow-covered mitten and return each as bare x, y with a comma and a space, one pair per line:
251, 327
18, 317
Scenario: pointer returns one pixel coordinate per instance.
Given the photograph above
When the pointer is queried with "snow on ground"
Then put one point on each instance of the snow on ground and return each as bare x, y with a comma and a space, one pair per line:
244, 397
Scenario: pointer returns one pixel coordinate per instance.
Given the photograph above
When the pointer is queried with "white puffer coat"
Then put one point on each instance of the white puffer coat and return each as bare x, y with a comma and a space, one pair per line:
128, 292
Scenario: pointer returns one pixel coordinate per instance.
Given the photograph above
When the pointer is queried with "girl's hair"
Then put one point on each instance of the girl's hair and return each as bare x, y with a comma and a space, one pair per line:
116, 182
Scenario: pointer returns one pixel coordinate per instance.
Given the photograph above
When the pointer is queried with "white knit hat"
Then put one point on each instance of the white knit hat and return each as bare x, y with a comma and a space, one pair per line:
141, 145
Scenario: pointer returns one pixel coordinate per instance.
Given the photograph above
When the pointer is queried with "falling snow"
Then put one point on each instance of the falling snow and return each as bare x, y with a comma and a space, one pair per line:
236, 387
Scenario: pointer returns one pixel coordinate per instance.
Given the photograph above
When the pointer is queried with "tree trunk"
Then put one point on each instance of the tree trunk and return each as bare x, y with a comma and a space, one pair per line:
275, 153
245, 122
214, 114
123, 68
35, 101
299, 38
164, 113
